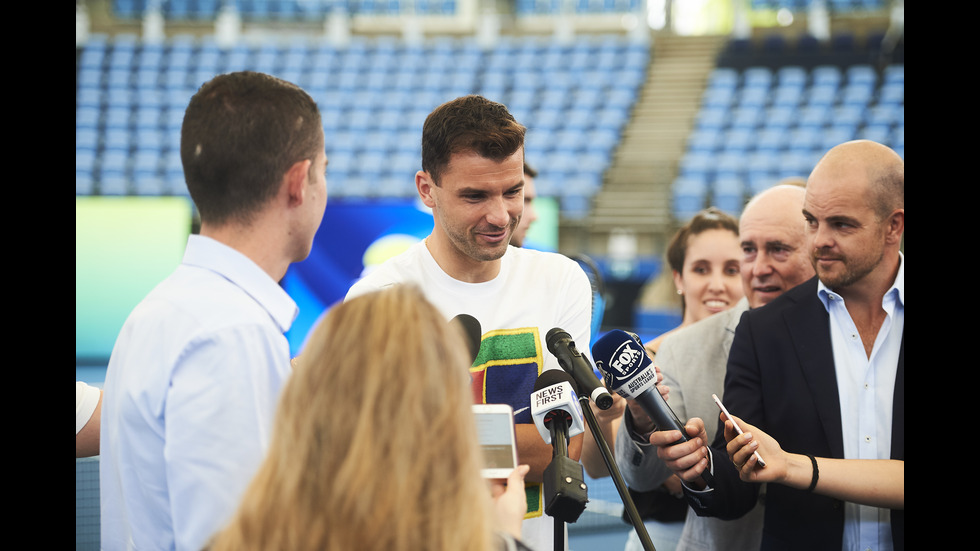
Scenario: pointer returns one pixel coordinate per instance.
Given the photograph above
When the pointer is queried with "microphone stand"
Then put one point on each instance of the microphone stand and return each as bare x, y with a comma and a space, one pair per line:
607, 456
565, 493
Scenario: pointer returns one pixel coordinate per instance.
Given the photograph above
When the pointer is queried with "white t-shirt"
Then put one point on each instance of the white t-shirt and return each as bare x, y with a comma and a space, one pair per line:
534, 292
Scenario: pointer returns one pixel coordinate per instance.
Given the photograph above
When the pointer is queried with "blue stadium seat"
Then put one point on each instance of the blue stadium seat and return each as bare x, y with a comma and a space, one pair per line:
723, 77
746, 117
728, 194
815, 116
793, 76
757, 77
772, 140
705, 140
861, 74
752, 97
688, 196
824, 95
805, 139
787, 96
718, 97
712, 118
858, 94
739, 140
780, 117
730, 164
696, 166
826, 75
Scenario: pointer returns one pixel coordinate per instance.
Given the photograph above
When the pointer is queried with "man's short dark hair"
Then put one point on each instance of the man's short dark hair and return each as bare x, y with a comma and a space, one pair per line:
529, 170
468, 124
241, 133
887, 188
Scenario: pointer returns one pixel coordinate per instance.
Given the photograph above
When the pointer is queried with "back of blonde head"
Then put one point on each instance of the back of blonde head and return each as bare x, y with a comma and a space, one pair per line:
374, 445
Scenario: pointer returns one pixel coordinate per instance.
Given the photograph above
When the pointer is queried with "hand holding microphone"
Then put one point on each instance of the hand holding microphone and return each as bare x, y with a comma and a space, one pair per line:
631, 374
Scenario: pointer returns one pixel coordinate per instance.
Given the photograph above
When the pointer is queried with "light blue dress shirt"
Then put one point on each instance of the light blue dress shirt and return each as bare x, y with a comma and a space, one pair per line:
866, 387
189, 398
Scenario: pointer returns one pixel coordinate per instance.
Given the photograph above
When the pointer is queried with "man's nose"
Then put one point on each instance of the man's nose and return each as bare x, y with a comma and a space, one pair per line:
497, 213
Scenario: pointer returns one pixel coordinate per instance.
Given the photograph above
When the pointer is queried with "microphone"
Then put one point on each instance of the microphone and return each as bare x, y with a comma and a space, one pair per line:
557, 415
472, 331
621, 357
554, 402
631, 374
561, 345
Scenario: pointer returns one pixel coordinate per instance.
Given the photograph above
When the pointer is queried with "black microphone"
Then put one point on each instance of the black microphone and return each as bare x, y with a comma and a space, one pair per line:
620, 356
472, 331
561, 345
558, 415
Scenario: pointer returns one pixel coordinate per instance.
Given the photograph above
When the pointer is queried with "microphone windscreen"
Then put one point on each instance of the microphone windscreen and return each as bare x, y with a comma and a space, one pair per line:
554, 391
472, 331
621, 357
553, 336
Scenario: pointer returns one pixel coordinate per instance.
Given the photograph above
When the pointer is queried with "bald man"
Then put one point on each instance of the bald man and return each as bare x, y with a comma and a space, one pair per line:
693, 361
822, 368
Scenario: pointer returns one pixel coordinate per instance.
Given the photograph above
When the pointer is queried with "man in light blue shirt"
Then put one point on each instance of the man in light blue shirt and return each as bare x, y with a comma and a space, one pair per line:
822, 370
195, 373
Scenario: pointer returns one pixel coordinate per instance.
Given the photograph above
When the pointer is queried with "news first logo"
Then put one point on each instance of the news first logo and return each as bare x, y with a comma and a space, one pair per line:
560, 396
554, 394
624, 362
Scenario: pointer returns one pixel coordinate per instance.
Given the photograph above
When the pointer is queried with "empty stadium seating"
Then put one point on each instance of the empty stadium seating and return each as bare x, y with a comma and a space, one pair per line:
768, 117
374, 96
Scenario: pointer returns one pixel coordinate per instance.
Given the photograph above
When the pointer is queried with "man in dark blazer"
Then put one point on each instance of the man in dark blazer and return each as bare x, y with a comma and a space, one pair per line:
797, 363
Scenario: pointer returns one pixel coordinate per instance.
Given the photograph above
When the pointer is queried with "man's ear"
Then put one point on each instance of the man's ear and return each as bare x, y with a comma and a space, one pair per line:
896, 226
424, 185
295, 180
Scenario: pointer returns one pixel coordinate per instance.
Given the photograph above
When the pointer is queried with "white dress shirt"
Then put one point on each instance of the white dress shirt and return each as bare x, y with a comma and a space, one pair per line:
189, 397
866, 386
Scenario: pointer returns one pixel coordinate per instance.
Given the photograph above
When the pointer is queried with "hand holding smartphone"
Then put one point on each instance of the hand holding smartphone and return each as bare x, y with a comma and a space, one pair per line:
738, 429
498, 441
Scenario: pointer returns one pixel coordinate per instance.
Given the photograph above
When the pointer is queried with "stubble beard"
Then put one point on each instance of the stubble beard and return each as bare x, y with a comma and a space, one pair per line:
850, 273
467, 244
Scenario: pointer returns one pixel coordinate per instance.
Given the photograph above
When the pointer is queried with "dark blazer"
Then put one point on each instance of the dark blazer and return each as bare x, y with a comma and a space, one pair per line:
781, 378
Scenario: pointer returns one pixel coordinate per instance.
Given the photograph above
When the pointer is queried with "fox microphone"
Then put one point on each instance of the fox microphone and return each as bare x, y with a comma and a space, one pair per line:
621, 357
561, 345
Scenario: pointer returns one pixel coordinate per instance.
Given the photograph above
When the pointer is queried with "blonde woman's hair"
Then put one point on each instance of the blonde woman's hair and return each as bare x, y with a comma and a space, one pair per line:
374, 445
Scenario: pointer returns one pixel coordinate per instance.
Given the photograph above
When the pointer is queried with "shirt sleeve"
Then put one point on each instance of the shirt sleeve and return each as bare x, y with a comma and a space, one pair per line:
219, 414
86, 400
577, 315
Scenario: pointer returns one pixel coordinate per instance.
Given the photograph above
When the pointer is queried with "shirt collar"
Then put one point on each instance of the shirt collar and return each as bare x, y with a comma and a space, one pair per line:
895, 293
210, 254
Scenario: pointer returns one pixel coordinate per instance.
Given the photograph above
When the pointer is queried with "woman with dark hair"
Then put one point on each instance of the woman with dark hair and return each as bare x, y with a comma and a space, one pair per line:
704, 258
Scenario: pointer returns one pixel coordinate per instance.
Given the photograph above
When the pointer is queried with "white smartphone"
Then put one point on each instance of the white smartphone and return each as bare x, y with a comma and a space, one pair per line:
738, 429
498, 440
